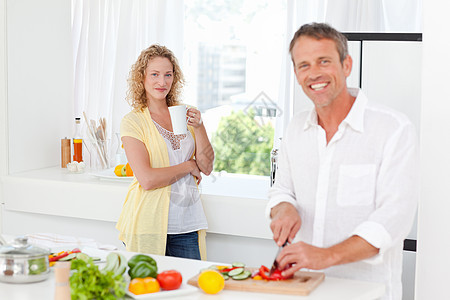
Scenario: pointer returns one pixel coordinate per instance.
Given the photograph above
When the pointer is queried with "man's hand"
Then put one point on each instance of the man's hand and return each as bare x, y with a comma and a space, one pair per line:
303, 255
285, 223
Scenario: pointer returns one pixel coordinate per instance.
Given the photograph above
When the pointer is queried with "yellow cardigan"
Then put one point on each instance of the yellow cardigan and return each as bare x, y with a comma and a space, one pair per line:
143, 221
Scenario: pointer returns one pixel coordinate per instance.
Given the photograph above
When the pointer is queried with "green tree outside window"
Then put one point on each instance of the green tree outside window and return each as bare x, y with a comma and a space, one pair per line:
242, 145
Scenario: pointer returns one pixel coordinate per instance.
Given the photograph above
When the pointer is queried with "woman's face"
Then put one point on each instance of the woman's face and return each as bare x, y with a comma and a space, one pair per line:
158, 78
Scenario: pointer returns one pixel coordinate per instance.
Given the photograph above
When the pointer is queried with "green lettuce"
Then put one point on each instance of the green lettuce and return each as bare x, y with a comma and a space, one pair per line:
87, 282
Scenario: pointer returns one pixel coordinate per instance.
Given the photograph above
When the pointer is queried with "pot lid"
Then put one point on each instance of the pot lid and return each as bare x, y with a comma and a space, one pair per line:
20, 246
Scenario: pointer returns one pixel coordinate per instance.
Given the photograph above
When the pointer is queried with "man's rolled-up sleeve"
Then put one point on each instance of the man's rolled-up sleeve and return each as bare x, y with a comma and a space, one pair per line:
397, 194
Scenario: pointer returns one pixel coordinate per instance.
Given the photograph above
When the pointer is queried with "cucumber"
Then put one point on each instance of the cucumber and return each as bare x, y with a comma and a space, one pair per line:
68, 257
235, 272
244, 275
238, 264
83, 256
225, 276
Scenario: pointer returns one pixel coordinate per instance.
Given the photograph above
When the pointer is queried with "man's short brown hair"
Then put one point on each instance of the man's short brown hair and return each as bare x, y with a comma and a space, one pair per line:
322, 31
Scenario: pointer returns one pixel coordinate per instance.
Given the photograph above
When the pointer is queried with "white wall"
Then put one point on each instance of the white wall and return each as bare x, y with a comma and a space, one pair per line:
3, 97
433, 253
40, 93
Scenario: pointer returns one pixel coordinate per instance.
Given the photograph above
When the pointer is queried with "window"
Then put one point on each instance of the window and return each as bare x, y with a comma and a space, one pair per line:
232, 63
234, 56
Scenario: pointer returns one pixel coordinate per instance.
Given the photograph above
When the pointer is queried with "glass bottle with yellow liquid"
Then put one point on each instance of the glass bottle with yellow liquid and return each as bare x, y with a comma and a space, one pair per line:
77, 142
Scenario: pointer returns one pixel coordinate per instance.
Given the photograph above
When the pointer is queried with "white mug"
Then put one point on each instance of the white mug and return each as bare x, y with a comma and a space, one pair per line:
178, 118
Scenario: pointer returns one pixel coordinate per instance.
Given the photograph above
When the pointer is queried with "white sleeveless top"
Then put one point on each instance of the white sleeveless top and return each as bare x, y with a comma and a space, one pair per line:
185, 210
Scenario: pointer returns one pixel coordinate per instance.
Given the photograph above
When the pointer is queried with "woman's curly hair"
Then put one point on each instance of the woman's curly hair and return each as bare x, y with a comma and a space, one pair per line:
136, 95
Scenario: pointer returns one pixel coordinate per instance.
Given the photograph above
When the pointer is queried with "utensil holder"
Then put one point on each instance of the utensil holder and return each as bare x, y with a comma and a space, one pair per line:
99, 154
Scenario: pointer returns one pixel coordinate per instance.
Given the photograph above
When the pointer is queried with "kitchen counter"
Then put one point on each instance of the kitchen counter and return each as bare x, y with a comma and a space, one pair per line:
85, 205
332, 288
55, 191
53, 200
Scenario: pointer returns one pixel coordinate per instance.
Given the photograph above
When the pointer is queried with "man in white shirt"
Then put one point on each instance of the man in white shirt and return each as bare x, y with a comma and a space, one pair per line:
346, 189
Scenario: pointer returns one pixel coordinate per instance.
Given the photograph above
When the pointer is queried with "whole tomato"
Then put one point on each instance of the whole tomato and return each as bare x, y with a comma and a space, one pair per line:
169, 280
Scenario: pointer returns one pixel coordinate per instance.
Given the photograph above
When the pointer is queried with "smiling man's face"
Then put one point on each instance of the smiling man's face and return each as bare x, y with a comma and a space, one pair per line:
319, 70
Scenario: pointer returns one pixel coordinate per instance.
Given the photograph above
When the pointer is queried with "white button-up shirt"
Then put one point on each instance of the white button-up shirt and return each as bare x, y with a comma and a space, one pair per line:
364, 182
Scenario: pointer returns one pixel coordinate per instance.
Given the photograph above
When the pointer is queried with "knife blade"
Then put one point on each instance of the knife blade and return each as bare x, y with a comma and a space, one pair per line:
275, 263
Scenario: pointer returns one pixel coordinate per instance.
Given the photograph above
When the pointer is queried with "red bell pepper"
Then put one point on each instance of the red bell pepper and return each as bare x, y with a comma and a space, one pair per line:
262, 271
55, 258
276, 275
228, 269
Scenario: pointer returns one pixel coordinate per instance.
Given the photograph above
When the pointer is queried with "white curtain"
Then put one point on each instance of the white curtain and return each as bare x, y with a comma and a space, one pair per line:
361, 15
108, 36
346, 16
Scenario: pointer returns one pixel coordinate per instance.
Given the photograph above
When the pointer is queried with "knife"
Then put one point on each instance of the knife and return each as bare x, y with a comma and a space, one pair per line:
275, 263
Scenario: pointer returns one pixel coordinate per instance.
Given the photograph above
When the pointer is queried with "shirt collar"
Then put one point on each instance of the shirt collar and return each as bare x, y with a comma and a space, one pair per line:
355, 117
311, 120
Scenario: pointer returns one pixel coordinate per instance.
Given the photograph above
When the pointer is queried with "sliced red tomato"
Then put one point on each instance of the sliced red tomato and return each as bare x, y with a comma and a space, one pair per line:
170, 280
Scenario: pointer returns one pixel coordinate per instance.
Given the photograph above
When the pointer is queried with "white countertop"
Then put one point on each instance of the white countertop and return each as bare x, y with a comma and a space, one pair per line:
331, 288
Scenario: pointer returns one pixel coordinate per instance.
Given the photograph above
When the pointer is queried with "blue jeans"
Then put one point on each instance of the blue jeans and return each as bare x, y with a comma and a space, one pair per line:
183, 245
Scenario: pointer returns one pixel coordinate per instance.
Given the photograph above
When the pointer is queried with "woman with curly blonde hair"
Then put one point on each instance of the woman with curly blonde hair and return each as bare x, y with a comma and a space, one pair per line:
136, 94
163, 213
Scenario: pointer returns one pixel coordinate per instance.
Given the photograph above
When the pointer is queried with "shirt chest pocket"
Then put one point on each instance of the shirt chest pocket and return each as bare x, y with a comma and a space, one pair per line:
356, 185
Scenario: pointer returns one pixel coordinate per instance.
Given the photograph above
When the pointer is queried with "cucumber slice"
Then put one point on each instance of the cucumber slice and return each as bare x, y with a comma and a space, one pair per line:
238, 264
68, 257
235, 272
83, 256
225, 276
244, 275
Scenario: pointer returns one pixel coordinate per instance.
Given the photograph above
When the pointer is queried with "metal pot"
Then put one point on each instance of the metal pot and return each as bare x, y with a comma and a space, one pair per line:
21, 262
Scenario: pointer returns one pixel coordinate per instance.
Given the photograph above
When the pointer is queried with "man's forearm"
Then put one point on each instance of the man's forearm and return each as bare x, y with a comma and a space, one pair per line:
351, 250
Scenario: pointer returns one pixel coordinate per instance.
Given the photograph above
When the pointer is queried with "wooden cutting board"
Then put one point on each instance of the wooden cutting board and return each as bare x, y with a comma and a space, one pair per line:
302, 284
